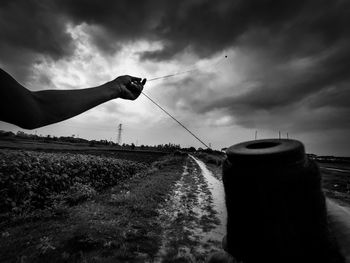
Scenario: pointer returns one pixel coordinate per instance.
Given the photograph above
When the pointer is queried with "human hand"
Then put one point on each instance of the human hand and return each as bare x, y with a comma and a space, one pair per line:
127, 87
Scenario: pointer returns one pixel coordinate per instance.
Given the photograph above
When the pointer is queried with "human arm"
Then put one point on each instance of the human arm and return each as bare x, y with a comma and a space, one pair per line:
31, 110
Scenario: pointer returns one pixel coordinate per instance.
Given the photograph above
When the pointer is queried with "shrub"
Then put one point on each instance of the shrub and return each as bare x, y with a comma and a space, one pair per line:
210, 158
78, 193
28, 179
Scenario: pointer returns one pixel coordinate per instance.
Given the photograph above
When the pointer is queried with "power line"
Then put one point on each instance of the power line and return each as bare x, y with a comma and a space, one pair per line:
183, 126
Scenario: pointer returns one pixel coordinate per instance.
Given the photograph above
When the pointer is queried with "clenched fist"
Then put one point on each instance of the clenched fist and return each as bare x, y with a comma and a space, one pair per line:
127, 87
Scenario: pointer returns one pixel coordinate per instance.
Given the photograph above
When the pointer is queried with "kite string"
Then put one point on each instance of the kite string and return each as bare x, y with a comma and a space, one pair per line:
172, 75
183, 126
187, 71
166, 112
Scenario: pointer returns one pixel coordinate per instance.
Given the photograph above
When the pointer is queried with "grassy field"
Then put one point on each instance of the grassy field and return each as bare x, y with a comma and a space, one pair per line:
108, 151
108, 224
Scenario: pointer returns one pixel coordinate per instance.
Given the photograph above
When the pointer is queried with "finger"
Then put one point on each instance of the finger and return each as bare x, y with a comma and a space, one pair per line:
135, 79
143, 82
139, 87
135, 87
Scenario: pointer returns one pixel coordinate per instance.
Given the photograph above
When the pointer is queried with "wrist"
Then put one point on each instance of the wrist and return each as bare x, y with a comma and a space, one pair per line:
112, 90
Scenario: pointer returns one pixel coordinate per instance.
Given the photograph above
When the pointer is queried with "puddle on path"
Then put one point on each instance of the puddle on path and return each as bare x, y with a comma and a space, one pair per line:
216, 188
194, 216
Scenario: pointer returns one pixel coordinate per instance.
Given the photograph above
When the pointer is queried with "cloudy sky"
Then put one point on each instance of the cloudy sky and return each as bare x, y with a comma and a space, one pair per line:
287, 67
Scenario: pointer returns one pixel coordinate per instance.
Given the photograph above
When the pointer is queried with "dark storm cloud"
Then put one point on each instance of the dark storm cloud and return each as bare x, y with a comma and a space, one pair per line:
273, 33
277, 37
115, 21
206, 27
289, 86
34, 26
201, 26
323, 83
28, 29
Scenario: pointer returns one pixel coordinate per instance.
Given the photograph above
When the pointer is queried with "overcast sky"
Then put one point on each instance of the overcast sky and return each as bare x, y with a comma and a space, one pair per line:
287, 67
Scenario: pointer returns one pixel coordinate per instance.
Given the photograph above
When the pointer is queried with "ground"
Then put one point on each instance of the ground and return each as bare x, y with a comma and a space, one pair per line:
118, 224
166, 213
336, 181
162, 214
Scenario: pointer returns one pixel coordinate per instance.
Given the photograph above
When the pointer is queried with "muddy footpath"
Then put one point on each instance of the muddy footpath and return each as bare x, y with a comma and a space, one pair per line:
193, 217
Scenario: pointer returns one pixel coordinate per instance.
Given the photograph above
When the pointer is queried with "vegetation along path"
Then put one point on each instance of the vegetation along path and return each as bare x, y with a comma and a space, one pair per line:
172, 210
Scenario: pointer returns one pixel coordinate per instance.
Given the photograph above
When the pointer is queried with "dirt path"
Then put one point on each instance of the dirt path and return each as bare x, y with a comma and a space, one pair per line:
217, 190
193, 218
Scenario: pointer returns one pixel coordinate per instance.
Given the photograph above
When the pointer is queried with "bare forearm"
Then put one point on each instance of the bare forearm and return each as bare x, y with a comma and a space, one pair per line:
59, 105
31, 110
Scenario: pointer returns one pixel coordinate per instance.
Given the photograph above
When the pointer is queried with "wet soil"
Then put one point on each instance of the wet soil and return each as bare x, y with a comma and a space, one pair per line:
193, 217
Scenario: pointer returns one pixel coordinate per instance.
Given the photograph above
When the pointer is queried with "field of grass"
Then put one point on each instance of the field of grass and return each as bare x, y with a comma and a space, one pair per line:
32, 180
59, 147
106, 215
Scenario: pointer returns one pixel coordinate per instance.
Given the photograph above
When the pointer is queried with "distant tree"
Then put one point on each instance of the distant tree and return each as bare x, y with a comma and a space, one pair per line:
192, 149
6, 134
